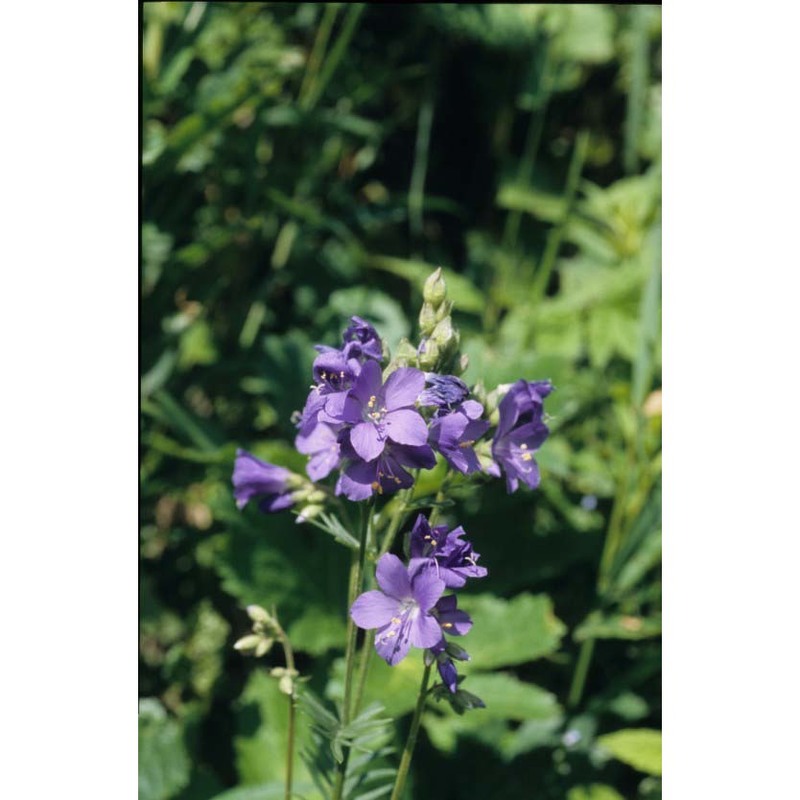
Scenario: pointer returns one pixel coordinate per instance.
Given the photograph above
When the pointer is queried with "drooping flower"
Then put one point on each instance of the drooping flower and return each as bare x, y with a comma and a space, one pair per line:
445, 391
322, 444
520, 432
381, 412
443, 654
384, 475
402, 610
453, 434
255, 478
361, 339
455, 559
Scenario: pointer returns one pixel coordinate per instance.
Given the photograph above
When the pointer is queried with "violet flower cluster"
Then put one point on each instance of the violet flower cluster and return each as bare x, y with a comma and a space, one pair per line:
374, 426
410, 609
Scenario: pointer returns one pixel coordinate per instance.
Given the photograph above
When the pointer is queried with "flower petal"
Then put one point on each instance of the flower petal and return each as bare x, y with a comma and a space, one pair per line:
392, 577
406, 426
373, 610
425, 631
393, 645
426, 586
403, 387
366, 441
368, 382
355, 483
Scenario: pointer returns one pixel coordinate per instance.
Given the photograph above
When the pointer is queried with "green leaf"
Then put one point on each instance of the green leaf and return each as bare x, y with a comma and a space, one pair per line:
196, 346
261, 742
507, 632
596, 791
317, 631
163, 761
465, 296
275, 790
395, 688
509, 698
617, 626
639, 748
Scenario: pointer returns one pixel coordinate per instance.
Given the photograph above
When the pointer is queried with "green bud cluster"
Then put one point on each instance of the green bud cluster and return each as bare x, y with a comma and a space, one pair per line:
438, 350
265, 630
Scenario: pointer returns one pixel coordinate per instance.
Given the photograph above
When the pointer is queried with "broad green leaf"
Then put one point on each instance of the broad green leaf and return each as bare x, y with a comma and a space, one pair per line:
163, 761
509, 698
395, 688
262, 716
317, 631
640, 748
275, 790
507, 632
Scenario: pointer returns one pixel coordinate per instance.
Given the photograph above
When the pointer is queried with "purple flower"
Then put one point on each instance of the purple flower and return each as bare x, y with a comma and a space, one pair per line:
385, 474
455, 559
255, 478
446, 391
452, 620
454, 433
402, 610
443, 653
322, 444
334, 370
381, 412
520, 433
361, 339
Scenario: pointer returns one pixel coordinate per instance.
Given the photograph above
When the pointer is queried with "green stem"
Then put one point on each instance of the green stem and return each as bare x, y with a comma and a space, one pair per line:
581, 671
416, 192
408, 751
288, 655
315, 59
532, 141
397, 521
637, 96
335, 55
363, 670
356, 580
556, 236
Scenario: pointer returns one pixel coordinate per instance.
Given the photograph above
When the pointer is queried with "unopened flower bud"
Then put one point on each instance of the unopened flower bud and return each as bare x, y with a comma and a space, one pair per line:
427, 319
456, 651
444, 310
264, 646
247, 644
461, 365
428, 354
443, 332
435, 289
309, 512
295, 481
258, 614
406, 354
286, 685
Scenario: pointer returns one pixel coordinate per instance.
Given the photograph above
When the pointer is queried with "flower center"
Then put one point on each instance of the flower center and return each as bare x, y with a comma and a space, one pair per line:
374, 413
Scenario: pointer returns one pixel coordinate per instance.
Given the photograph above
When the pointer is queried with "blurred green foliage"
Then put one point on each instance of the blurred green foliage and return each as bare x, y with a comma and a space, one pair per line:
302, 163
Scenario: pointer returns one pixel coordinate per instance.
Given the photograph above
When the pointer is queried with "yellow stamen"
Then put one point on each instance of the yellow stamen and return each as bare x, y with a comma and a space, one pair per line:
526, 456
395, 620
447, 624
